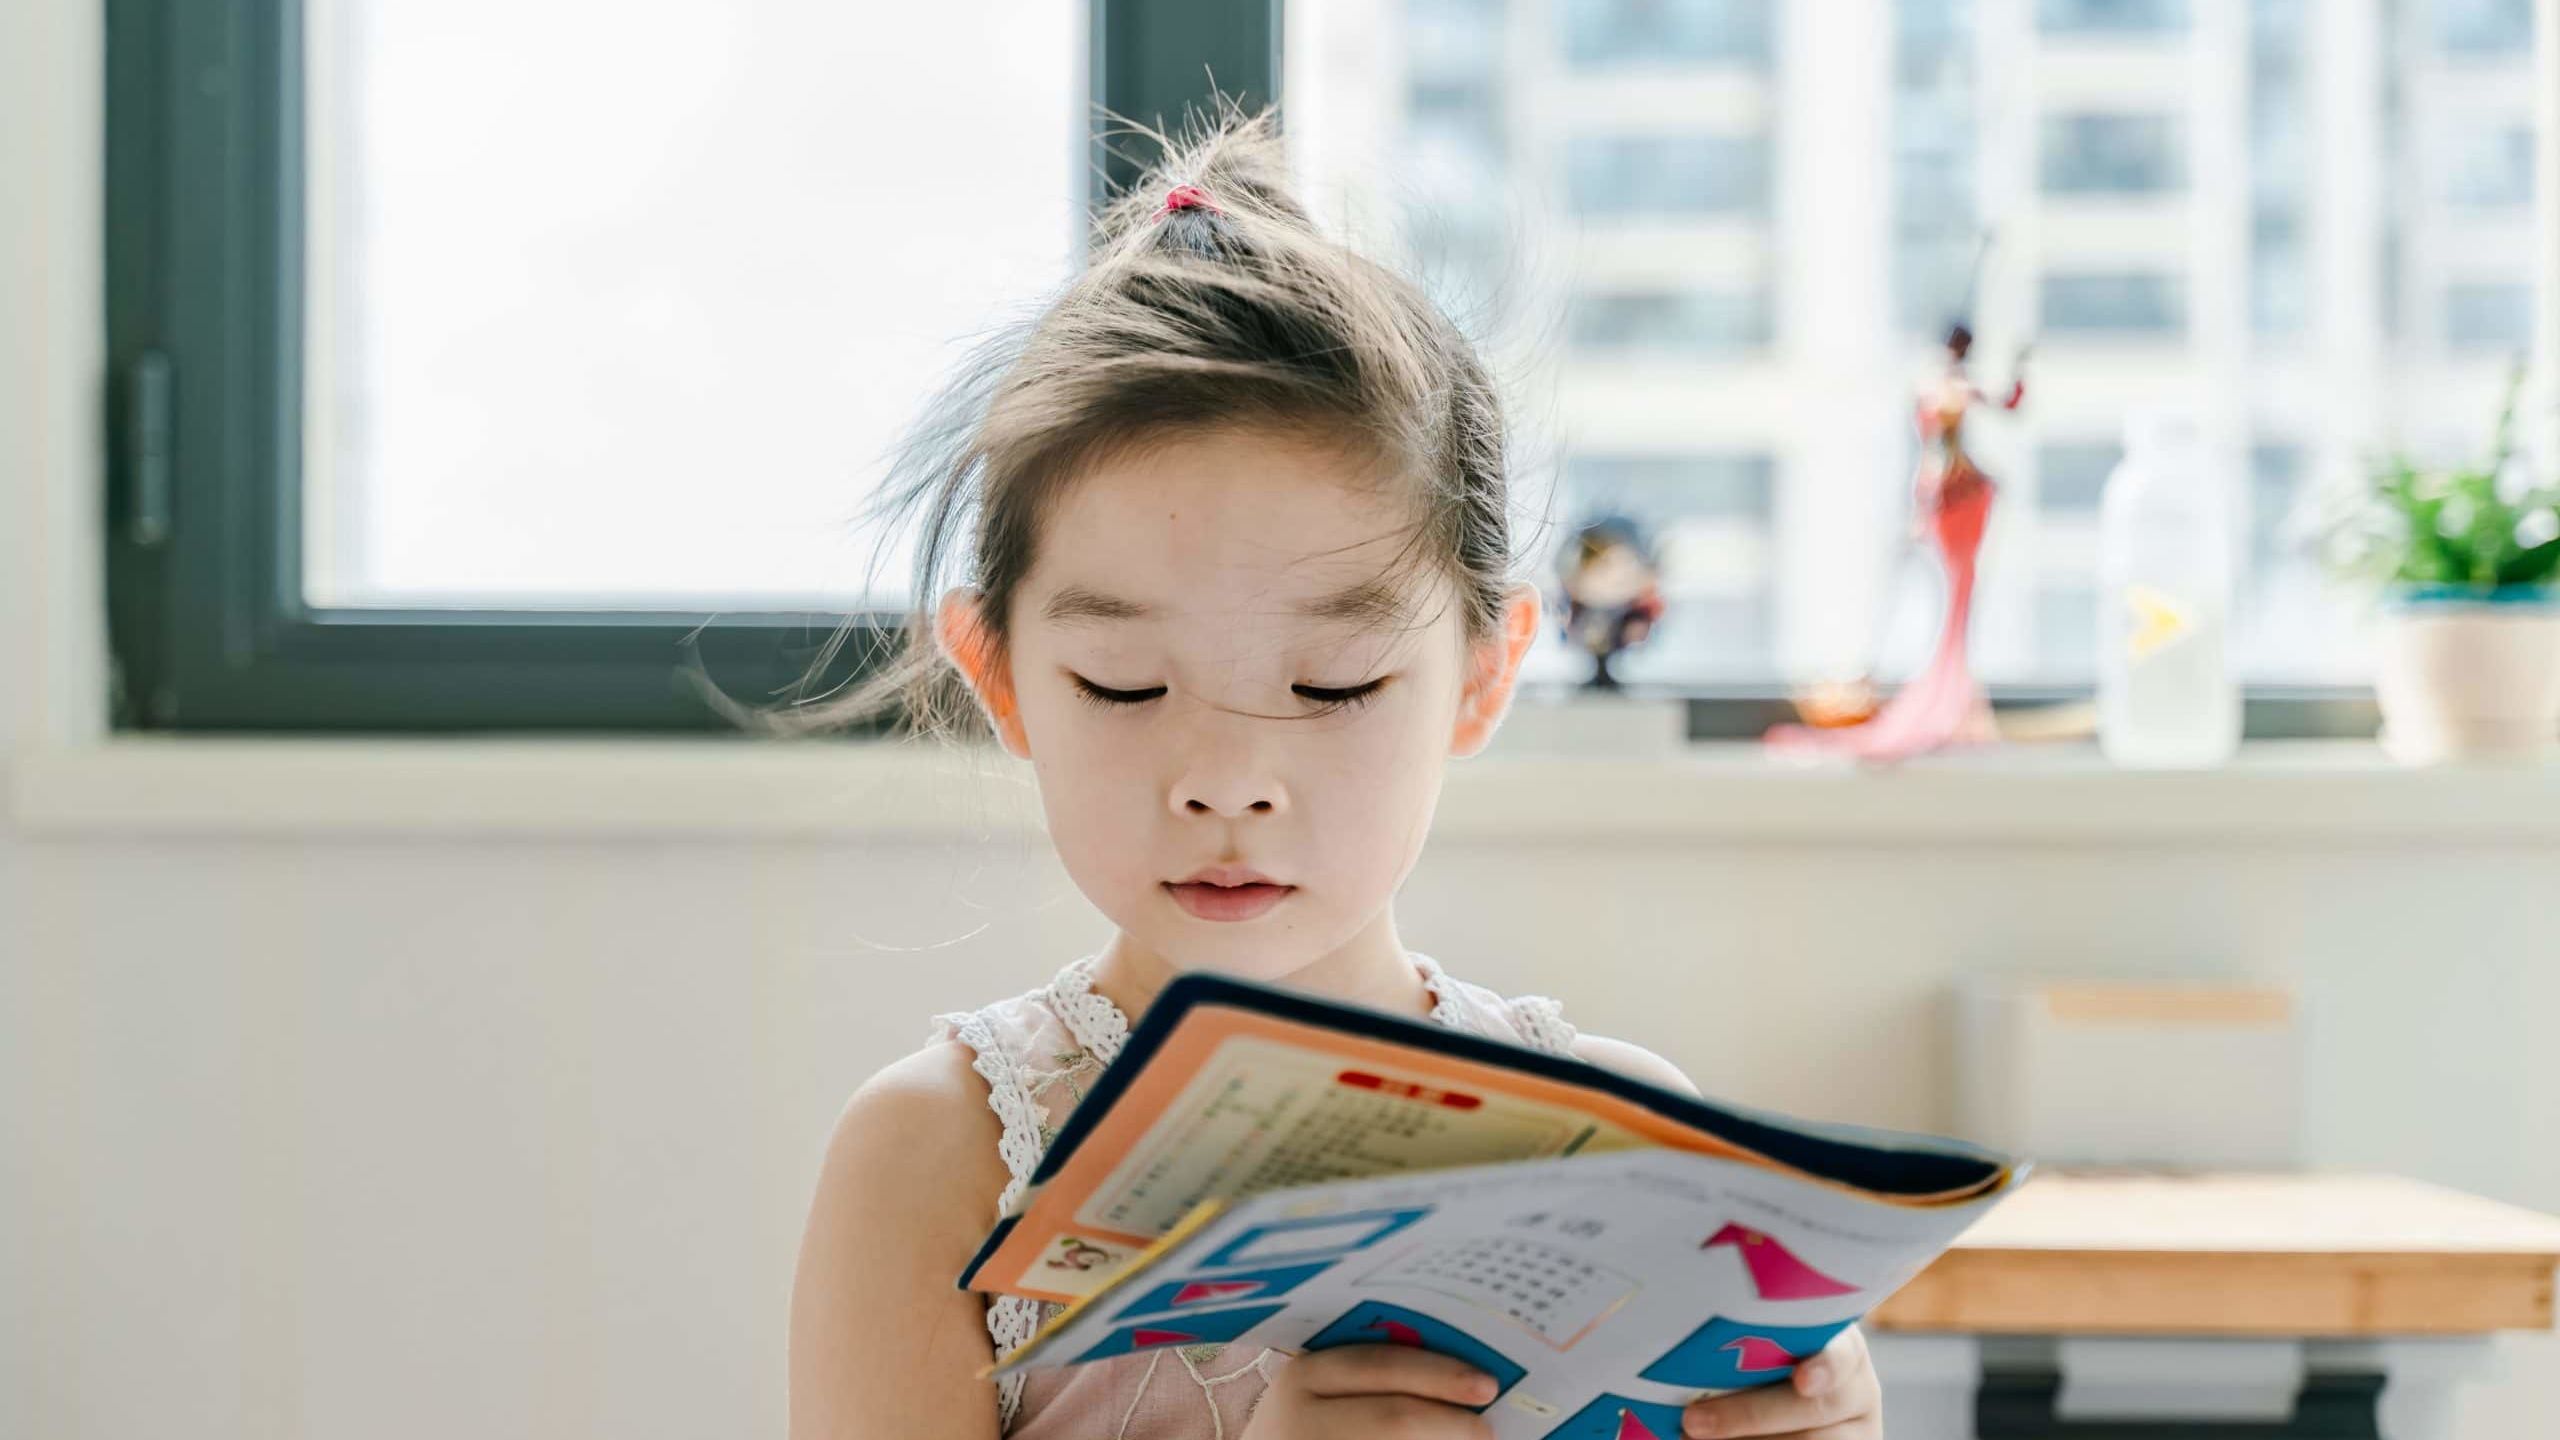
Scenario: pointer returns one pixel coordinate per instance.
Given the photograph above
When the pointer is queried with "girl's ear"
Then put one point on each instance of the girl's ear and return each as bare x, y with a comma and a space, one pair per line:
1493, 670
960, 627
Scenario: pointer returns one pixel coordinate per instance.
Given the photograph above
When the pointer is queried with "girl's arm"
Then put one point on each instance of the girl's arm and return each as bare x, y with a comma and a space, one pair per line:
1633, 1061
882, 1346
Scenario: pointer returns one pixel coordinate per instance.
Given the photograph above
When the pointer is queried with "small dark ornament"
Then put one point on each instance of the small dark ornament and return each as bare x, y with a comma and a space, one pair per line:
1612, 592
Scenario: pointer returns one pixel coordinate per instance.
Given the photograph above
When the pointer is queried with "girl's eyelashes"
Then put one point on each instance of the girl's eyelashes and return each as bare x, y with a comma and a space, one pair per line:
1105, 696
1349, 697
1329, 698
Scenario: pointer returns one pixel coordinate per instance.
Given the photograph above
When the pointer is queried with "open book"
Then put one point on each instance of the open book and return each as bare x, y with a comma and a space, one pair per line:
1265, 1168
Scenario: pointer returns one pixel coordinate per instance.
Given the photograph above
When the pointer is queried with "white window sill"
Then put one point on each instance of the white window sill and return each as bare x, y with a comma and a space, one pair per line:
2311, 793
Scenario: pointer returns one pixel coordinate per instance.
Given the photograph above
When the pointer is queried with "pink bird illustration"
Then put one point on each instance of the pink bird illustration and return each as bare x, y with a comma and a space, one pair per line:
1631, 1428
1753, 1353
1398, 1332
1200, 1290
1776, 1273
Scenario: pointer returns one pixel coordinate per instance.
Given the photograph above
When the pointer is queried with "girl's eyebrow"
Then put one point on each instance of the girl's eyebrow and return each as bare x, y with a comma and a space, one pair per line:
1368, 602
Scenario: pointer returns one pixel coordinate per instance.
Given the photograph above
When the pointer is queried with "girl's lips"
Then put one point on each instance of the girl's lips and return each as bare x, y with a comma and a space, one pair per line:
1227, 902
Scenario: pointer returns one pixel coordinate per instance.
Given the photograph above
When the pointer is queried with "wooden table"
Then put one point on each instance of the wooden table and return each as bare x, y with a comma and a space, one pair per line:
2103, 1305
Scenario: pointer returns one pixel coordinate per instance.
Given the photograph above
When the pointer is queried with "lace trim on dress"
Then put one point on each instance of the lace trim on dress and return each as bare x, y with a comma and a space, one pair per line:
1011, 1319
1461, 1006
1101, 1031
1089, 1015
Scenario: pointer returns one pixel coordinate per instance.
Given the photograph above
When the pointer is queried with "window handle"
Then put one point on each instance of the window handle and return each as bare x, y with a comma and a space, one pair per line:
148, 519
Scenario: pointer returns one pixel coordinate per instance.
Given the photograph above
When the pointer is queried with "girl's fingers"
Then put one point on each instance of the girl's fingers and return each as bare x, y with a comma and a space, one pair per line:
1866, 1429
1843, 1361
1392, 1370
1402, 1417
1832, 1394
1769, 1411
1815, 1377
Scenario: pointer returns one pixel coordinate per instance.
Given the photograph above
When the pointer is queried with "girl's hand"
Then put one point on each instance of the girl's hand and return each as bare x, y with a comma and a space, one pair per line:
1393, 1392
1833, 1396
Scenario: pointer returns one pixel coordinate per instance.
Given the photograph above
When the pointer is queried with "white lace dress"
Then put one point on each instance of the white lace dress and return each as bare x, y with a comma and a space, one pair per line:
1038, 1052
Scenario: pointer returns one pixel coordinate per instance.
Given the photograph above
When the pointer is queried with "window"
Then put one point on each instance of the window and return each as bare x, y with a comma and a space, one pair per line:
2111, 17
2112, 154
2280, 160
2275, 490
2067, 626
350, 492
2494, 318
1703, 323
1601, 33
634, 343
1936, 228
2489, 167
2070, 477
451, 393
1661, 489
1746, 254
1658, 175
2495, 29
2122, 305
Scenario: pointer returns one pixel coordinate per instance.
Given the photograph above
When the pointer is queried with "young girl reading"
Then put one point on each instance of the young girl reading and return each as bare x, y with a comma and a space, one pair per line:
1231, 522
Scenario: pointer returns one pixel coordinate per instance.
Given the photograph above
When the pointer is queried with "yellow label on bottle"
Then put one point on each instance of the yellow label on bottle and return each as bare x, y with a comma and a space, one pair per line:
2158, 619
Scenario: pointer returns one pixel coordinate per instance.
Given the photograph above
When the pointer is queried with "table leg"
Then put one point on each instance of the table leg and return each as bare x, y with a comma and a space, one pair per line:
1929, 1383
2421, 1376
1962, 1387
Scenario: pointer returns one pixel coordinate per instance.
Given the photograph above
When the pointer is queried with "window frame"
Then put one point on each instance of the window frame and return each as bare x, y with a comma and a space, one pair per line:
207, 625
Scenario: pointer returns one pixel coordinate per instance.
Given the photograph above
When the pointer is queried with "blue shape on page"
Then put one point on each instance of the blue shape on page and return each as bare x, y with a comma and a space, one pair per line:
1166, 1332
1327, 1236
1202, 1291
1615, 1417
1731, 1355
1375, 1322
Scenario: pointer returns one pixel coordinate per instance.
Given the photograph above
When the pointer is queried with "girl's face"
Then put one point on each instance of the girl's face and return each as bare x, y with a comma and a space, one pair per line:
1237, 702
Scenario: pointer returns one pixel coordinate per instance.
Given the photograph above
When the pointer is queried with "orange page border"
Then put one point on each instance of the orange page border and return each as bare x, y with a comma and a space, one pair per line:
1052, 1207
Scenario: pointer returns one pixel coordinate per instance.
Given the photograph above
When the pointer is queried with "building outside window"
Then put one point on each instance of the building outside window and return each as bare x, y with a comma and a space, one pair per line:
1751, 223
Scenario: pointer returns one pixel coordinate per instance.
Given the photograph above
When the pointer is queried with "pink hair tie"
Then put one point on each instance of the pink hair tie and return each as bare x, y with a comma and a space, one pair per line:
1186, 197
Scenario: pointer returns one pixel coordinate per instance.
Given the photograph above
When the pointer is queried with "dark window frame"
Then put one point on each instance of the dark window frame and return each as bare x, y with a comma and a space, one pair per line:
207, 627
207, 624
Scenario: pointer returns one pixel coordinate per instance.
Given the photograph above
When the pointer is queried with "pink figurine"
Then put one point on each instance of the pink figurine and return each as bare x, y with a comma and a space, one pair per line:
1945, 705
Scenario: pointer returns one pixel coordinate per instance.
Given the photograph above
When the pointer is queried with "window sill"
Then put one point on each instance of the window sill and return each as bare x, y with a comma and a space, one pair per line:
2316, 793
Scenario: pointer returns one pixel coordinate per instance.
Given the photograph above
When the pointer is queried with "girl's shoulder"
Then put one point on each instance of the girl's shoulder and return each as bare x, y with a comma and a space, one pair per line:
1633, 1061
1538, 1022
924, 1117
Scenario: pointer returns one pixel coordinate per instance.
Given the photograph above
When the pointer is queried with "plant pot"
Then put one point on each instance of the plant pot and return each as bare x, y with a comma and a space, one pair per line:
2464, 674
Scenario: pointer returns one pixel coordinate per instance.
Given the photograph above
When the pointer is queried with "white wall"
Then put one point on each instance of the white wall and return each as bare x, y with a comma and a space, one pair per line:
413, 1136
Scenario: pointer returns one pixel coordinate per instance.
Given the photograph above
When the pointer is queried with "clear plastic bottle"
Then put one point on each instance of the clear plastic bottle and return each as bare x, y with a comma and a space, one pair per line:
2165, 693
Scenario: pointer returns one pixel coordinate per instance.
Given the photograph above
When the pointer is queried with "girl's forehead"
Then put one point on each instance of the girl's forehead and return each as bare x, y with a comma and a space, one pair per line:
1225, 521
1379, 603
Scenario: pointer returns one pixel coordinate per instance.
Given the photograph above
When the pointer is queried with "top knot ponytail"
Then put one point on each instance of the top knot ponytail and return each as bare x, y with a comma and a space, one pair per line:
1208, 296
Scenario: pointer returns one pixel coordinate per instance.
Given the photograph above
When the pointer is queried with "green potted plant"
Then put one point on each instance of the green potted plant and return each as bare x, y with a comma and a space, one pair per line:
2467, 659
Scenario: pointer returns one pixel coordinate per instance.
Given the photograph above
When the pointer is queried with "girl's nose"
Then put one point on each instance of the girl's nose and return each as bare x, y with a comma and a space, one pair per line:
1228, 796
1229, 776
1199, 805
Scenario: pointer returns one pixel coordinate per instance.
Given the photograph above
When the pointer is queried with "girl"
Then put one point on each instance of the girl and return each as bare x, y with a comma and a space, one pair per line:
1232, 519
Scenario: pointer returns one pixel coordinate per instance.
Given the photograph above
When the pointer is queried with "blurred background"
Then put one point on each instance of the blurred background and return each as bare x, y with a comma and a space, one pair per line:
372, 368
1715, 242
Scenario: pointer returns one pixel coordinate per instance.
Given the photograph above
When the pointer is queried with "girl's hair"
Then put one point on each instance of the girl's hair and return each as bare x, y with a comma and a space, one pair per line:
1209, 297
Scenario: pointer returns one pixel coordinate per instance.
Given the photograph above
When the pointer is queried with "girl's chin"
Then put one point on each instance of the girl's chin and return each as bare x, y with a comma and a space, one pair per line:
1268, 958
1262, 965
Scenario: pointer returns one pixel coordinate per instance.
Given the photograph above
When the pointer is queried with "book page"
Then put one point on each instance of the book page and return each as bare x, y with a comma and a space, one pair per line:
1602, 1291
1233, 1102
1265, 1115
